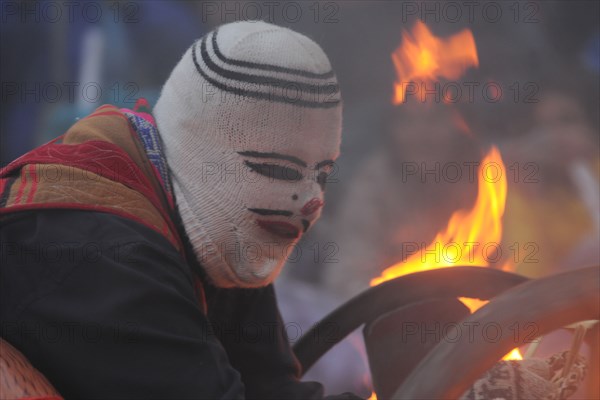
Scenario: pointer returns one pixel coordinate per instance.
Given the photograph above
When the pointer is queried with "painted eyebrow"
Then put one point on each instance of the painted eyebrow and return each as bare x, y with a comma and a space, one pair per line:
266, 211
258, 154
324, 163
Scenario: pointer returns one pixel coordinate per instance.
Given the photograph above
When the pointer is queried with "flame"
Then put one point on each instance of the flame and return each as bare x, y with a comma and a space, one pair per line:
425, 58
468, 233
515, 354
475, 304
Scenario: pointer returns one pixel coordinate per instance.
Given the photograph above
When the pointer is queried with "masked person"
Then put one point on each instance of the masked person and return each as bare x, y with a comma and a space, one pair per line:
139, 250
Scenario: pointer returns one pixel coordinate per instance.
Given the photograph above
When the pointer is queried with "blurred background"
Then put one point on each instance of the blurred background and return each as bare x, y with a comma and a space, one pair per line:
60, 62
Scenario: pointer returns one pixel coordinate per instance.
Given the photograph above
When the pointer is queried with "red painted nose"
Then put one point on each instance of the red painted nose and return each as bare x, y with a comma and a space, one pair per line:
312, 206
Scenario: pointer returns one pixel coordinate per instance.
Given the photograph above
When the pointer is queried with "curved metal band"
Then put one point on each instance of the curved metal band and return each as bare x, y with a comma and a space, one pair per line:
550, 303
476, 282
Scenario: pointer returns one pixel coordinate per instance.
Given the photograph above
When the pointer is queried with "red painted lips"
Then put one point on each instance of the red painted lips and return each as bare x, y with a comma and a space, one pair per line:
311, 206
279, 228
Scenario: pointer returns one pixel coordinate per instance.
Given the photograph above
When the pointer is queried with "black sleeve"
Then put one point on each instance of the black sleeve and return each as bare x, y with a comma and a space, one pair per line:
105, 308
248, 323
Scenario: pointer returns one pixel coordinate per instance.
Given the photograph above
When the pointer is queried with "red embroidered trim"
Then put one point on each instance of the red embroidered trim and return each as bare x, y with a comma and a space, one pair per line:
23, 183
34, 183
101, 158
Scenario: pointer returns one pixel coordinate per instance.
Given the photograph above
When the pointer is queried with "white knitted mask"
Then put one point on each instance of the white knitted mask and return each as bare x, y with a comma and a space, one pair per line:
251, 121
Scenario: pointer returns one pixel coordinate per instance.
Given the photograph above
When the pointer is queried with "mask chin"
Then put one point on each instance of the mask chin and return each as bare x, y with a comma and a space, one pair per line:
256, 271
254, 279
231, 260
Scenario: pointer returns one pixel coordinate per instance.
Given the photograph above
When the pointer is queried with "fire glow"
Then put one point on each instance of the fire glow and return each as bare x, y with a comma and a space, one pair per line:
480, 225
423, 58
472, 228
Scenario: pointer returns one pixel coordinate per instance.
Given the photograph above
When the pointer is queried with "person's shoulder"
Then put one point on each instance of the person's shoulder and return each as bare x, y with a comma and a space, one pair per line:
95, 234
44, 249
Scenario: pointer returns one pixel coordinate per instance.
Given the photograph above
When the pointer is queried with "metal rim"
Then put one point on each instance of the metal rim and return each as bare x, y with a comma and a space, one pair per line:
549, 303
476, 282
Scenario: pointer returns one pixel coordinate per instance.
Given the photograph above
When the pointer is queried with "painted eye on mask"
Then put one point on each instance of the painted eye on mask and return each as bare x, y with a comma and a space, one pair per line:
322, 179
274, 171
325, 167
